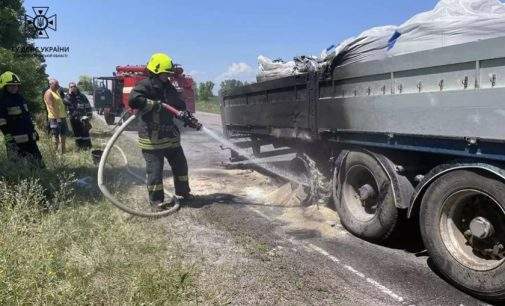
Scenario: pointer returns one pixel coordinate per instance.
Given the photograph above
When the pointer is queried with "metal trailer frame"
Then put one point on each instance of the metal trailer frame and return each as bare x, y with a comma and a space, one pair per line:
446, 101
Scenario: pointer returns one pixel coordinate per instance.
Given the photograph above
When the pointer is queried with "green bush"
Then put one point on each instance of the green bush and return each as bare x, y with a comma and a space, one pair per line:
85, 84
209, 106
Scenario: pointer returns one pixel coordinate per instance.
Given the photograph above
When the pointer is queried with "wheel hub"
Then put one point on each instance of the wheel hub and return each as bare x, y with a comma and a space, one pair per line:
481, 228
366, 192
473, 229
486, 247
360, 191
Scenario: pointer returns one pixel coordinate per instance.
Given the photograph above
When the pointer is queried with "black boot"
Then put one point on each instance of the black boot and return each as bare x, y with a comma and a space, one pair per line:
185, 199
158, 206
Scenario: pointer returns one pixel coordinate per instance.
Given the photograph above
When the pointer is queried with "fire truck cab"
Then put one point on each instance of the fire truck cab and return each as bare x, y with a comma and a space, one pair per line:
110, 94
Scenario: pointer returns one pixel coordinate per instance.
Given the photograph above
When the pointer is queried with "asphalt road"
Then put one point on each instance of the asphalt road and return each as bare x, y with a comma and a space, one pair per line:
258, 248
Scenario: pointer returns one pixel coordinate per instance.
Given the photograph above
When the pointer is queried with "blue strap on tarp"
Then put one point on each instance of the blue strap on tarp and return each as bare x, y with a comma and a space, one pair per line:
393, 39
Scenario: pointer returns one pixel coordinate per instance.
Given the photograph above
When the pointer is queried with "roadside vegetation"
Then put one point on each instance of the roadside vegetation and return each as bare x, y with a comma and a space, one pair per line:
209, 106
61, 243
85, 84
19, 55
207, 101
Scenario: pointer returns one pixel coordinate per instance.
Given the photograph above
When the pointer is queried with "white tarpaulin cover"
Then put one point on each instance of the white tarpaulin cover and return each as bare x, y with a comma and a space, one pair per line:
270, 70
451, 22
368, 46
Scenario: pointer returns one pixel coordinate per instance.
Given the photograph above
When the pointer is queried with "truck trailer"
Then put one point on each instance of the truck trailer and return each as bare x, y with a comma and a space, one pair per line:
418, 136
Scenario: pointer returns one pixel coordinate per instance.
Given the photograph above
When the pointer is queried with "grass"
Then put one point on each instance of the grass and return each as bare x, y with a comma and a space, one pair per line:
64, 245
211, 106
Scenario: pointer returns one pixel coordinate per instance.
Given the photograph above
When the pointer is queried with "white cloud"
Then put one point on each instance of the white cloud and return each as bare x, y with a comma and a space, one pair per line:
197, 75
194, 72
239, 71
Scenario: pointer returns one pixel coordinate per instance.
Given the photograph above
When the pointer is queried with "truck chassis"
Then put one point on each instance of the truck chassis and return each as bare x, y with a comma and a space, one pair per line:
419, 135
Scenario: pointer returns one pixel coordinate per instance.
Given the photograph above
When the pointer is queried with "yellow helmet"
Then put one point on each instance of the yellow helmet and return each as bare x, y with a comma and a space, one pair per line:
159, 63
9, 78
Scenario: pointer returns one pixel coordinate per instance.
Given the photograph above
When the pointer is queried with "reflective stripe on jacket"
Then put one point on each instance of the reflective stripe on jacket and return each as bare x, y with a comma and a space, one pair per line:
157, 129
160, 144
15, 119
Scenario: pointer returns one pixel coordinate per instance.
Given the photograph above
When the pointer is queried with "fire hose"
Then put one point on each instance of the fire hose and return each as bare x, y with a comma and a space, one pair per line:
185, 117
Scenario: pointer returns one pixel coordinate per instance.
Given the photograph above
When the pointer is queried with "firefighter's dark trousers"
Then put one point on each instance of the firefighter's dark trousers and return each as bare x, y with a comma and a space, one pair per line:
154, 168
29, 151
81, 134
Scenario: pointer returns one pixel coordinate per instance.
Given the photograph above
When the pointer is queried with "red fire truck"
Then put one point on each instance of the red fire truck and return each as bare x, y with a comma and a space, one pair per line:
110, 94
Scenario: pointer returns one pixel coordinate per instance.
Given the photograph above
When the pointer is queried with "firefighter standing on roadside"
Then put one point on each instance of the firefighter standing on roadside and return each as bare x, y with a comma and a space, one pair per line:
80, 112
159, 137
16, 121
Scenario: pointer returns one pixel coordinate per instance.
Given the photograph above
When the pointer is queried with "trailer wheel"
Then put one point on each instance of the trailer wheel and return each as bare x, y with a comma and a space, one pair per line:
463, 227
365, 202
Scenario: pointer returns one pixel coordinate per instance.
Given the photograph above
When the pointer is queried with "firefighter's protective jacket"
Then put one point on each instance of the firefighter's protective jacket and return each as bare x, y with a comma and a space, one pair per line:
15, 119
78, 105
157, 128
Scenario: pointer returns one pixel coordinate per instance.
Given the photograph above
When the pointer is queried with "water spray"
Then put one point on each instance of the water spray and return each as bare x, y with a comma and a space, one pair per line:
189, 121
252, 160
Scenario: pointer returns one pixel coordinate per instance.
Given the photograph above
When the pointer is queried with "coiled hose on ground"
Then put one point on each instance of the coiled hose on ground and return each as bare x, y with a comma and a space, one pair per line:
110, 144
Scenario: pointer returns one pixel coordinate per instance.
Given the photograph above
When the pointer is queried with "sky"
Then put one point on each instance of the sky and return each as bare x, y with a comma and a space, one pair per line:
212, 40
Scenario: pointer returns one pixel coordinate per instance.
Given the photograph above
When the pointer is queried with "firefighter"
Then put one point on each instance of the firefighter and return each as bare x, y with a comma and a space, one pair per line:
159, 137
16, 121
80, 112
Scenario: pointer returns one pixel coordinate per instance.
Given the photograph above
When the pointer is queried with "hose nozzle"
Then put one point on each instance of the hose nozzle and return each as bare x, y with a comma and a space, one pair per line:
184, 116
190, 121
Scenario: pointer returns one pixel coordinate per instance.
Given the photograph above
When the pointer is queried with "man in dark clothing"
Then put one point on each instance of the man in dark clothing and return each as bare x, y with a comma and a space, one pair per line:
159, 137
16, 121
80, 112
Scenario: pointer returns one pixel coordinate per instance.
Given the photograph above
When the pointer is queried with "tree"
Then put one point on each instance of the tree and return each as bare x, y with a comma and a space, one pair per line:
195, 89
229, 85
20, 56
11, 27
85, 84
205, 91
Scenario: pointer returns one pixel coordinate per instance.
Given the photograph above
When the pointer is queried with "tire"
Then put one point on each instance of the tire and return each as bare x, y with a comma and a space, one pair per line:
373, 218
457, 195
